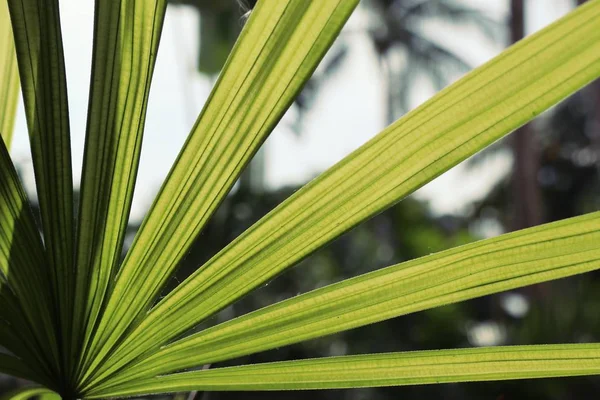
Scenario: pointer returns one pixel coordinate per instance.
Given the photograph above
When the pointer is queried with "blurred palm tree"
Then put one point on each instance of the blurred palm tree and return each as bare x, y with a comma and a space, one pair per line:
554, 175
395, 29
526, 194
593, 106
406, 53
220, 24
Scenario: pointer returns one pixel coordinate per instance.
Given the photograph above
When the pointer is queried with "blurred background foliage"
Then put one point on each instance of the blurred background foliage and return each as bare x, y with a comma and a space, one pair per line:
562, 153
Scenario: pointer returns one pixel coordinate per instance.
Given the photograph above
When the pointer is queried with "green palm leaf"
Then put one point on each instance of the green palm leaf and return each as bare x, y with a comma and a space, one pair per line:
25, 310
38, 43
76, 321
529, 256
279, 48
13, 366
9, 85
486, 104
387, 369
127, 36
29, 393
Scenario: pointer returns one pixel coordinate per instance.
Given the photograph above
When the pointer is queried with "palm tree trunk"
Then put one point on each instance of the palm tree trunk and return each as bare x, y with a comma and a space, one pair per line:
593, 93
252, 178
527, 199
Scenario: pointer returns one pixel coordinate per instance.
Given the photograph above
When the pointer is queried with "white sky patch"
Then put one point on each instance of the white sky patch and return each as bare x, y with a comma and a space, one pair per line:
347, 113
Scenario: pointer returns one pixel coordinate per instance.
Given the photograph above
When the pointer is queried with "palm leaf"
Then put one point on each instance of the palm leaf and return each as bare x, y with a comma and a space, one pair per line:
13, 366
387, 369
9, 86
126, 41
529, 256
485, 105
15, 333
38, 43
278, 50
112, 341
26, 393
25, 297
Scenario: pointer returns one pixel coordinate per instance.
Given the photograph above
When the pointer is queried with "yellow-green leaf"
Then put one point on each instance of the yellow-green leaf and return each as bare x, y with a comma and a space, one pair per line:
9, 77
279, 47
387, 369
27, 393
482, 107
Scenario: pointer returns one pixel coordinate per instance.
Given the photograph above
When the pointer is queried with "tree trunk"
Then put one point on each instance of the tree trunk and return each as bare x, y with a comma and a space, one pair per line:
526, 198
592, 92
252, 178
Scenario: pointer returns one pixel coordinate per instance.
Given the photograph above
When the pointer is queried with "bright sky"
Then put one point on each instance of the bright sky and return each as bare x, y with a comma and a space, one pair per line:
347, 113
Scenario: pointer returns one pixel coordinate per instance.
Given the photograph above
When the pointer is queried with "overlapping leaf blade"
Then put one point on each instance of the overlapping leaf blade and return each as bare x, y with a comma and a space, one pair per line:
126, 37
482, 107
8, 338
534, 255
24, 295
16, 334
13, 366
387, 369
38, 42
9, 74
278, 50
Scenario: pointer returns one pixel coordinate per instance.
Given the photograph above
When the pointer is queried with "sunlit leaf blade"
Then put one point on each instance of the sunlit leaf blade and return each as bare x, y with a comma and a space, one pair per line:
126, 37
485, 105
29, 393
387, 369
278, 50
24, 295
534, 255
38, 43
9, 77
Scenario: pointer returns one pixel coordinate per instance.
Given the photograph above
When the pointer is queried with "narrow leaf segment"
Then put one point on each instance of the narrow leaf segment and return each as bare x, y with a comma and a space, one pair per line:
13, 366
9, 85
388, 369
31, 393
38, 42
126, 38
